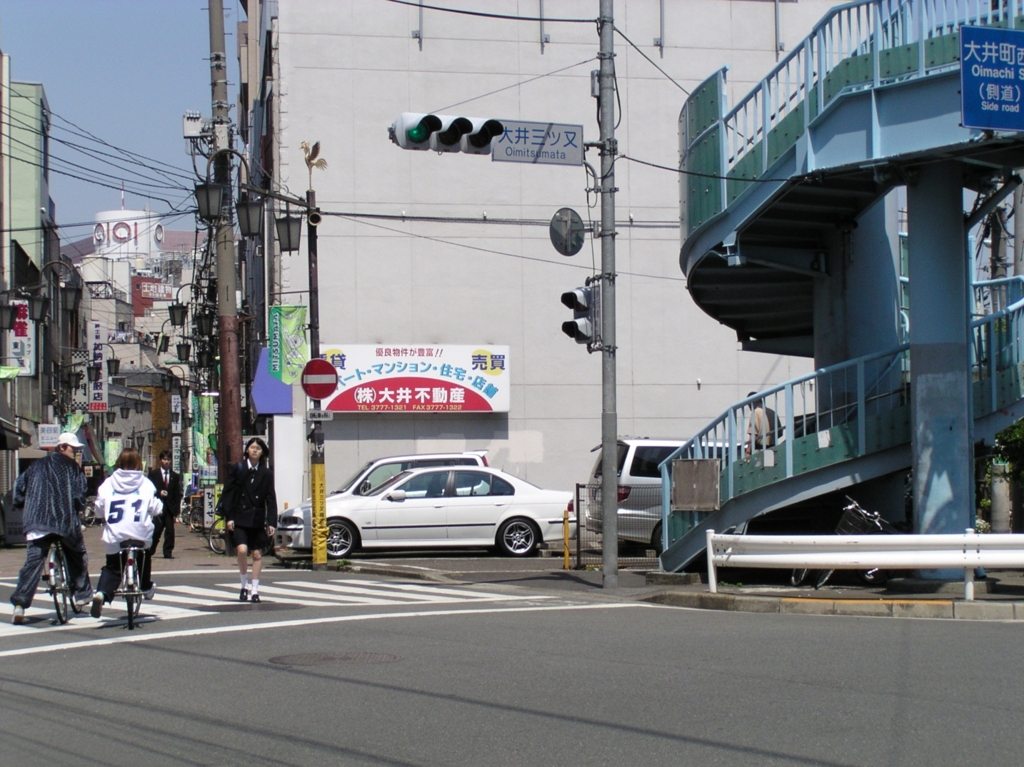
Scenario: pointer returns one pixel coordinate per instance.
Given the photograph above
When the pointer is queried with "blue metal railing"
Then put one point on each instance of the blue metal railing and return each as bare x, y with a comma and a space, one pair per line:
845, 395
869, 34
997, 348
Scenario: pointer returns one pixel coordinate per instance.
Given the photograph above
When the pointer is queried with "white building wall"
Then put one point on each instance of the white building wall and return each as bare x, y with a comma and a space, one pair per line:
349, 67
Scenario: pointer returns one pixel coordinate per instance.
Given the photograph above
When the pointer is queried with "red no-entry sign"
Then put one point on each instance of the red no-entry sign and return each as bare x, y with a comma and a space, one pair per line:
319, 379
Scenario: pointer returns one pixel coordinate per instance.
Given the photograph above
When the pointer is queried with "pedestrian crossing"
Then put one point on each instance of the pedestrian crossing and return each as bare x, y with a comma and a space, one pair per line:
173, 602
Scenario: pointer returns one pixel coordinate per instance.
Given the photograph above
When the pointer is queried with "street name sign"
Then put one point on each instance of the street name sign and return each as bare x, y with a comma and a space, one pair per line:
538, 143
991, 77
319, 379
319, 415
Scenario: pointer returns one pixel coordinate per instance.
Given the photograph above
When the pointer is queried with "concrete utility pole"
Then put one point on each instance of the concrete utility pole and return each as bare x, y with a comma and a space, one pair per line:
609, 417
229, 444
317, 476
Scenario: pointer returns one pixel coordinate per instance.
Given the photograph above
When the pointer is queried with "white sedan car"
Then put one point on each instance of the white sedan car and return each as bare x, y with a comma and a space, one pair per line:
451, 506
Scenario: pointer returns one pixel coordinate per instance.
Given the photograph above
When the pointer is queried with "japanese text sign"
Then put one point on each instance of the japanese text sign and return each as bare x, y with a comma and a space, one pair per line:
419, 379
538, 143
991, 76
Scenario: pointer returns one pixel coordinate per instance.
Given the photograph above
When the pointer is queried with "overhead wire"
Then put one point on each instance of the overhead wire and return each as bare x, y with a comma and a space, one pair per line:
484, 15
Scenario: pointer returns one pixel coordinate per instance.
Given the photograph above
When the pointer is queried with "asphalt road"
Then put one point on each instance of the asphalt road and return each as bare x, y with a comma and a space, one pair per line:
499, 675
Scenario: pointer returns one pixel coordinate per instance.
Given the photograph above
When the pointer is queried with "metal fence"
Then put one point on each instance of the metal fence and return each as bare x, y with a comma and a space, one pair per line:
639, 527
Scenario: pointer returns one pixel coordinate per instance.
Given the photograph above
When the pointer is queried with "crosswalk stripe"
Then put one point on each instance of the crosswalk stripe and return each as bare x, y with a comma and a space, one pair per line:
335, 587
182, 601
324, 599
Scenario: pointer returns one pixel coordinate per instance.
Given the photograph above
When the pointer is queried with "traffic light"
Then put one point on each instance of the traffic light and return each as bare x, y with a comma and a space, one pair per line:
445, 133
583, 327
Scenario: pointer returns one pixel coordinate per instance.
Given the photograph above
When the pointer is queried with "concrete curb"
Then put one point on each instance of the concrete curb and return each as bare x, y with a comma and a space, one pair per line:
880, 608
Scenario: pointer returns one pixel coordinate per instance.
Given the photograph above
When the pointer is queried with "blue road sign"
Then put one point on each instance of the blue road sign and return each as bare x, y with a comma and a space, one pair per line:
991, 77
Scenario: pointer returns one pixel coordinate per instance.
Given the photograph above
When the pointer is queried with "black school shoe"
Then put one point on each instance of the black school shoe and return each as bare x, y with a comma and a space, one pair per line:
255, 597
243, 595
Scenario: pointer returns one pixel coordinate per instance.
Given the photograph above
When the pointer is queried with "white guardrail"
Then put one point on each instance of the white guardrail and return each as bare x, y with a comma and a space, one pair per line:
864, 552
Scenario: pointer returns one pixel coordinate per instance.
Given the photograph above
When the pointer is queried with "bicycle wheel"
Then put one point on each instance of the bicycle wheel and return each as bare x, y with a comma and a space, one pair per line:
57, 571
218, 536
798, 576
75, 607
823, 577
89, 517
195, 520
132, 588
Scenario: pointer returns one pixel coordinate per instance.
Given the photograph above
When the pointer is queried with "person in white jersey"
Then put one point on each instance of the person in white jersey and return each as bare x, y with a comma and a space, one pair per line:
127, 502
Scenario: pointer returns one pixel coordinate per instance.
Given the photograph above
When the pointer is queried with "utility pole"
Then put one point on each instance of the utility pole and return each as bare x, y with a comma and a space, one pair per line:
317, 476
609, 417
229, 445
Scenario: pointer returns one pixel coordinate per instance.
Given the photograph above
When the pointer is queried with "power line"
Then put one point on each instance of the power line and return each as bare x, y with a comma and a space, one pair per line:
701, 175
491, 15
516, 85
491, 251
649, 59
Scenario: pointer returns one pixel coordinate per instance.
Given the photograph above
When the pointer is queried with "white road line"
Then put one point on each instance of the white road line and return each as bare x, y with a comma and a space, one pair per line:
303, 597
223, 597
435, 596
64, 646
428, 589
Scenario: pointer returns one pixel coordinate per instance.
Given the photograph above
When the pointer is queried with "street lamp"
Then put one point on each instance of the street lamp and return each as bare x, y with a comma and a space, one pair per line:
95, 373
140, 441
8, 316
178, 313
204, 324
249, 212
111, 416
184, 349
210, 200
126, 410
289, 231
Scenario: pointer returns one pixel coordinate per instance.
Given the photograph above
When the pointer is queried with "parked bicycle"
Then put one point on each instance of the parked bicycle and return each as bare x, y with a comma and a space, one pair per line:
855, 521
218, 534
61, 587
133, 554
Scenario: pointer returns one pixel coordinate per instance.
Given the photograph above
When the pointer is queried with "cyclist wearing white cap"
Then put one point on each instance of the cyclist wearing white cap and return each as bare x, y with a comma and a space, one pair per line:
51, 494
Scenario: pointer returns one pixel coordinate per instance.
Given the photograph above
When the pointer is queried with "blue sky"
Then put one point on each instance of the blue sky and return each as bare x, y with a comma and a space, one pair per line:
125, 71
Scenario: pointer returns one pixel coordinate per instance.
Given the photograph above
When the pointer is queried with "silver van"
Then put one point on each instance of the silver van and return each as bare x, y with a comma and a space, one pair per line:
639, 495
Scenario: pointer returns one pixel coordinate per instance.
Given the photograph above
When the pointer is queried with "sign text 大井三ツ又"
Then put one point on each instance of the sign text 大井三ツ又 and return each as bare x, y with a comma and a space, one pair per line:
538, 143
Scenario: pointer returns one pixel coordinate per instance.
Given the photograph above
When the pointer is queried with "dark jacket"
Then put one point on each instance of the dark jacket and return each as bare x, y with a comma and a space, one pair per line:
172, 502
250, 501
51, 492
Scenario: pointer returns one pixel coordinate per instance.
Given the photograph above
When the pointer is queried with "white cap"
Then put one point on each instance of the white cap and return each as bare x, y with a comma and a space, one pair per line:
67, 438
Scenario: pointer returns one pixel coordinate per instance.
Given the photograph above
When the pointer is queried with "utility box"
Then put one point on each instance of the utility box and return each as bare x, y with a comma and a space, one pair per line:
695, 484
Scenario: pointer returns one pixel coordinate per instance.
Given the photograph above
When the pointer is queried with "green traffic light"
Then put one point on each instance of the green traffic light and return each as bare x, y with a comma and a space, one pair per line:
421, 131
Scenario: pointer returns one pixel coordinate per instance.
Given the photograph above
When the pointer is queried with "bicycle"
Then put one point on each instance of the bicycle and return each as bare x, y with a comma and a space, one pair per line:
855, 521
193, 514
61, 587
133, 553
218, 535
89, 517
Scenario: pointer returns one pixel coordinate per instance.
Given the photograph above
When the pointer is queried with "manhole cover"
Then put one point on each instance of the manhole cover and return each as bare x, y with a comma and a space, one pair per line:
326, 658
228, 607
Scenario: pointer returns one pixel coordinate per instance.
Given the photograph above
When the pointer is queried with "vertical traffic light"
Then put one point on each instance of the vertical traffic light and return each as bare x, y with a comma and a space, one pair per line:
445, 133
583, 302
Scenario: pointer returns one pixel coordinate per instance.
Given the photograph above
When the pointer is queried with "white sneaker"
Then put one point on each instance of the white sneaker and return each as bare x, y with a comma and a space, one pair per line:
19, 615
148, 593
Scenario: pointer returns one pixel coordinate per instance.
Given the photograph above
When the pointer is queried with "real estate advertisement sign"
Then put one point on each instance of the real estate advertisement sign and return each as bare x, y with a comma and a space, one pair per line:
386, 378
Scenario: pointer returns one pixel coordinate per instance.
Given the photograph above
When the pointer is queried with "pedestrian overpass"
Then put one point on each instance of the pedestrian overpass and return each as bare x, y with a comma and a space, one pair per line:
790, 239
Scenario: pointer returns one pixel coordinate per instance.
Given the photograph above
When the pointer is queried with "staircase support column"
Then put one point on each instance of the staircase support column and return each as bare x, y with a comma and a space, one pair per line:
939, 352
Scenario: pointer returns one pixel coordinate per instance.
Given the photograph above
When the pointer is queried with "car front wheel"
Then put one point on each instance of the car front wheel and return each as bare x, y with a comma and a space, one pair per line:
518, 538
341, 538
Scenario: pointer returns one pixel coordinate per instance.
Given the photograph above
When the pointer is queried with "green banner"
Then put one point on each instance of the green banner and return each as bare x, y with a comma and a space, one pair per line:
112, 448
289, 350
204, 438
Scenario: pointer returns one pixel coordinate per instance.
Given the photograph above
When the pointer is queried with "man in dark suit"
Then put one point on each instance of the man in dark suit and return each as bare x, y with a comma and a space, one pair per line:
168, 490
